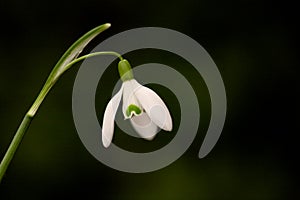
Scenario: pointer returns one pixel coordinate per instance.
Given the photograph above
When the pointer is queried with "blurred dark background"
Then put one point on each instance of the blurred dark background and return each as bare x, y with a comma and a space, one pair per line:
252, 42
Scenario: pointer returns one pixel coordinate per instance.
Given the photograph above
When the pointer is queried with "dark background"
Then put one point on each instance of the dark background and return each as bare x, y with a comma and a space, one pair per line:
252, 42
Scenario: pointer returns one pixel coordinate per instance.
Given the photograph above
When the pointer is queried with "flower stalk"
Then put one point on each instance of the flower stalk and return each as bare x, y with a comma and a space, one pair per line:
67, 60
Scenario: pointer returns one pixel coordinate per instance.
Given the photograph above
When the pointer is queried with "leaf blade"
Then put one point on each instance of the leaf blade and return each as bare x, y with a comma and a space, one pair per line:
76, 48
61, 66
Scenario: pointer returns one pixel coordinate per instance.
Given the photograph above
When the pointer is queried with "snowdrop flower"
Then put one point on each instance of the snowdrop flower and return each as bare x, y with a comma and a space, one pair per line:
142, 106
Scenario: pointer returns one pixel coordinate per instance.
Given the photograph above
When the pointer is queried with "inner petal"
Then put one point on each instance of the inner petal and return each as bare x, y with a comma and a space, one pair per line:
143, 125
131, 106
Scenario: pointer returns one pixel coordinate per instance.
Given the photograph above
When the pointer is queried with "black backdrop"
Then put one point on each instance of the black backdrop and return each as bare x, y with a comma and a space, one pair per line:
252, 42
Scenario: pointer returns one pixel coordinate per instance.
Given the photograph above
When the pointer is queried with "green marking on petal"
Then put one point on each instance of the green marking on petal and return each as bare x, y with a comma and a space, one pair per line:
133, 108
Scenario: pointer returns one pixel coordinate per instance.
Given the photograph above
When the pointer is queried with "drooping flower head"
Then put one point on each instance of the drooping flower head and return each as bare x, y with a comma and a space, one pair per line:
141, 106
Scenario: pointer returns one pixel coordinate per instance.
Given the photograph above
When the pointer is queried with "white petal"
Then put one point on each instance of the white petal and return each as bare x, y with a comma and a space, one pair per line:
109, 118
128, 96
154, 107
144, 126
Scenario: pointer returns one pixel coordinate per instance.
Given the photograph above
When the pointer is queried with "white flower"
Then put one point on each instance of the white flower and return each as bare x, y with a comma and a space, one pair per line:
141, 105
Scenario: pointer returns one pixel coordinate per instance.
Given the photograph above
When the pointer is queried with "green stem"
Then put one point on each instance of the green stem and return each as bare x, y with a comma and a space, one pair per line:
91, 55
32, 111
52, 79
14, 144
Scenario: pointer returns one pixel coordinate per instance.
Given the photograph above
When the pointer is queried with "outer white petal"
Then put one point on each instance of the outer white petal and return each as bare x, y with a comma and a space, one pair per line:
154, 107
128, 95
109, 118
144, 126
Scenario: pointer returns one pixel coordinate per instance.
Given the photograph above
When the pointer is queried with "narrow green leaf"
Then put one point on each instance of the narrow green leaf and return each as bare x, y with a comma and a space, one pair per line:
76, 49
62, 64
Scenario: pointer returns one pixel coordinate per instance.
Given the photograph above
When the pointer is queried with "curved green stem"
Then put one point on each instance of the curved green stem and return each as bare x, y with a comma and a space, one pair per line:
91, 55
52, 79
14, 144
32, 111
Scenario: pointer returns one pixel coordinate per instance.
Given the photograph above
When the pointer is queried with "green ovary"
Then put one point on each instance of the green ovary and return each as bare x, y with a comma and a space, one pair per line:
125, 70
133, 108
